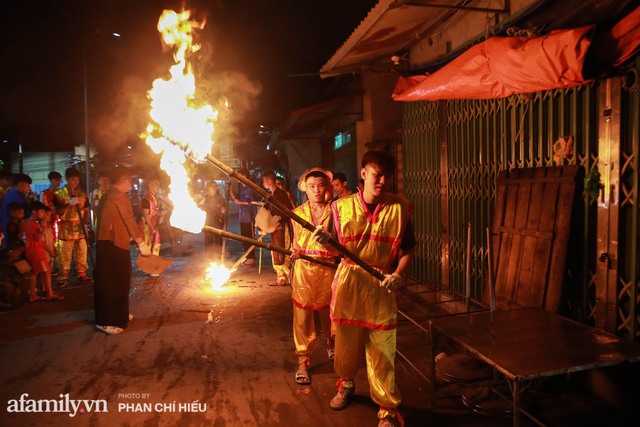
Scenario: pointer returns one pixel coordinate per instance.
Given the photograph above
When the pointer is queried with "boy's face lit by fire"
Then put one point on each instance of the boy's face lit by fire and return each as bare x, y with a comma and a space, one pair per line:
73, 182
316, 189
376, 181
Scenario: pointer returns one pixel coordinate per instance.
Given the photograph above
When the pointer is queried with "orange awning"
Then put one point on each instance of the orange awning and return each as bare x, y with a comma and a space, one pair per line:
503, 66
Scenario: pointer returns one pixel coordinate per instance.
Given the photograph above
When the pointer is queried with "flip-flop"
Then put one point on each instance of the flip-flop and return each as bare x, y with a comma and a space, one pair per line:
330, 353
302, 377
36, 299
54, 298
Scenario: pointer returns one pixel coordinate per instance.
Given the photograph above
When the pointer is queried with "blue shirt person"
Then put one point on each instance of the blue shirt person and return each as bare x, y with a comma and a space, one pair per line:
16, 195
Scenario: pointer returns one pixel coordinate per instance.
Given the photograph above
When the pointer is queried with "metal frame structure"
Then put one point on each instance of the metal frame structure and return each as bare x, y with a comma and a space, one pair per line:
454, 150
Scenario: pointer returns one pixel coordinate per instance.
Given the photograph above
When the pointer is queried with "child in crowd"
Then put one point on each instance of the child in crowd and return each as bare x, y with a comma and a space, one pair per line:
49, 239
14, 228
36, 254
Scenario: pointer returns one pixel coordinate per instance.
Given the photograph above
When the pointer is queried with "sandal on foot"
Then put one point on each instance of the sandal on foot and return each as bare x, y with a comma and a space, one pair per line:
331, 348
302, 377
330, 353
54, 297
36, 299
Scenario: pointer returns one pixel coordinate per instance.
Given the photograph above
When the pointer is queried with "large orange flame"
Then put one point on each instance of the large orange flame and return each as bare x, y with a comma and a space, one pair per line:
178, 125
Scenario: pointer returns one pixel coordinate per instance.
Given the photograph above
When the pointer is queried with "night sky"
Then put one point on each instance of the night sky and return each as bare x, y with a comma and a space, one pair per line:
250, 50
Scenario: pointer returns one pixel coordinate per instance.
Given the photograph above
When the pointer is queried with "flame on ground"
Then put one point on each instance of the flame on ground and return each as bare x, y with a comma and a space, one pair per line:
179, 124
217, 275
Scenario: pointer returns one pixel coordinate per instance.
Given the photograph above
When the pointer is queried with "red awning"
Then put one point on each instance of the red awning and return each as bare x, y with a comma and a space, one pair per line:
503, 66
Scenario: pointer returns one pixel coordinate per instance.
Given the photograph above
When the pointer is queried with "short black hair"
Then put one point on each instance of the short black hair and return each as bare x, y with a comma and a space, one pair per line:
21, 177
317, 174
382, 159
38, 206
14, 206
54, 175
118, 172
340, 176
71, 172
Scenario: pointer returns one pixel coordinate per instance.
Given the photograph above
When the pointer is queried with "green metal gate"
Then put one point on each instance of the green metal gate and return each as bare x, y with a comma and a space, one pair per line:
453, 152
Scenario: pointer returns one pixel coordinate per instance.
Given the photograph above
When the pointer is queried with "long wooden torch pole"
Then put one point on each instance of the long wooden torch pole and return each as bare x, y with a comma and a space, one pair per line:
266, 245
291, 215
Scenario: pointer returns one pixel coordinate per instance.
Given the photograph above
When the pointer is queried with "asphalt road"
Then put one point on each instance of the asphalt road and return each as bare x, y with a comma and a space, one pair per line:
191, 356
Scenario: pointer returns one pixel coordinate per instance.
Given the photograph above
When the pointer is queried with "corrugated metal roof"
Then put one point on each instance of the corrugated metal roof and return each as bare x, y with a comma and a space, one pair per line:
390, 27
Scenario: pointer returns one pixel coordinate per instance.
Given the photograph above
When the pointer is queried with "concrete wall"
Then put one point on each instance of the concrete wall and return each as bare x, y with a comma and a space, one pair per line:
457, 31
381, 115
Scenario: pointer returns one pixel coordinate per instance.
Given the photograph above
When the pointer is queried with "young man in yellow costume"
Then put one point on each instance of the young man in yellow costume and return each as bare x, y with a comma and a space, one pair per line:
311, 283
375, 225
72, 208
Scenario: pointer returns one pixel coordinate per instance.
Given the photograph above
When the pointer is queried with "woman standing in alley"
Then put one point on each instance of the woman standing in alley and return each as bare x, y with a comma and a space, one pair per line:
116, 228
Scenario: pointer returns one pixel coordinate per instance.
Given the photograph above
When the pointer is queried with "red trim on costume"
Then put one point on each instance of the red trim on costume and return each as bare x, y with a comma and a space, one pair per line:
308, 307
71, 240
379, 267
365, 324
371, 217
316, 252
369, 236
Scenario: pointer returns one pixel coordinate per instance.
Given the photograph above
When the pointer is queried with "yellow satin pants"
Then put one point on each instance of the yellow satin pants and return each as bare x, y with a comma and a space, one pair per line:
379, 348
304, 330
70, 250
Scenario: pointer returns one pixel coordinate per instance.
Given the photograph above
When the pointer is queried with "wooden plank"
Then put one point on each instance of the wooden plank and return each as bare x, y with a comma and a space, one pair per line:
566, 194
531, 231
517, 241
498, 215
526, 232
542, 251
533, 224
503, 258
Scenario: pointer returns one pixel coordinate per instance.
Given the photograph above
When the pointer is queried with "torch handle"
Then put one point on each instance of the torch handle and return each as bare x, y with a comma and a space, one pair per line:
291, 215
265, 245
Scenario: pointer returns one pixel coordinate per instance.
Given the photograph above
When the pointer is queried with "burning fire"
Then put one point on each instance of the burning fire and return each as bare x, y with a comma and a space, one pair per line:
217, 275
178, 125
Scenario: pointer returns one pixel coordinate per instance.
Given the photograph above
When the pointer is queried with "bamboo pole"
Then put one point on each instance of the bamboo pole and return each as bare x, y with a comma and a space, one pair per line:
269, 246
245, 254
291, 215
